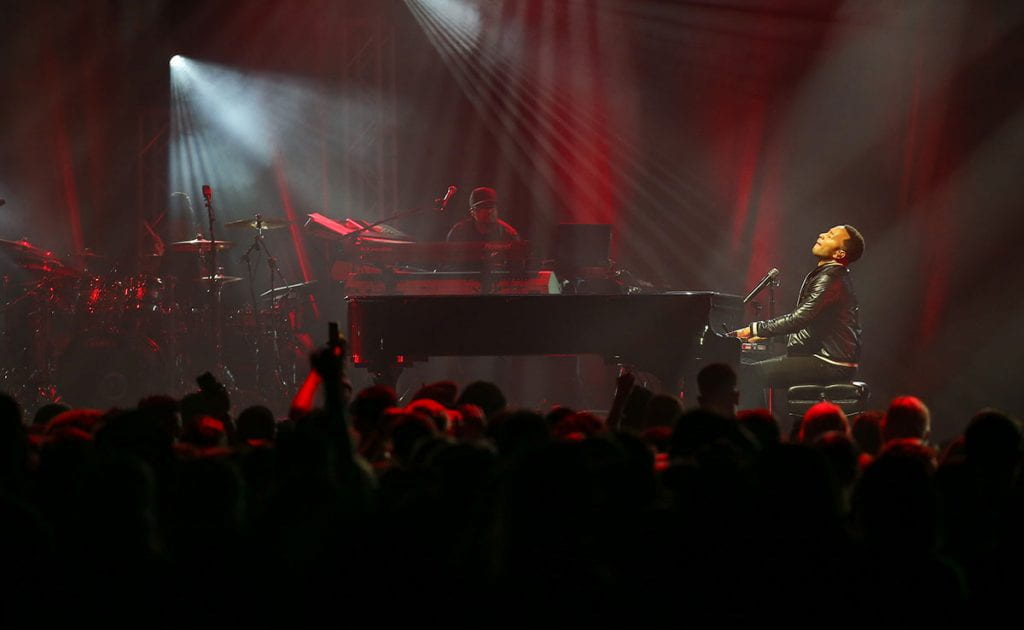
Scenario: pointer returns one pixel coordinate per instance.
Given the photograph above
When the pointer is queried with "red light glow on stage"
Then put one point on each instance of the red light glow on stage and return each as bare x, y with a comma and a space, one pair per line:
294, 227
65, 161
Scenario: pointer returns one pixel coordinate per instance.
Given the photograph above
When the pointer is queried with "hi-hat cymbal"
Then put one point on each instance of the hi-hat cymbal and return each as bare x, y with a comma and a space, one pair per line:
200, 245
219, 279
258, 222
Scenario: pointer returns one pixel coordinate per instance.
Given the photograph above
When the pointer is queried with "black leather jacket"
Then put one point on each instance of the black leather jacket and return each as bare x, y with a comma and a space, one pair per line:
824, 322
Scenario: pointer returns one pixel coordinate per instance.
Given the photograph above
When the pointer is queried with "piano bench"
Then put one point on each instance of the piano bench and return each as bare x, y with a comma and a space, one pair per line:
851, 397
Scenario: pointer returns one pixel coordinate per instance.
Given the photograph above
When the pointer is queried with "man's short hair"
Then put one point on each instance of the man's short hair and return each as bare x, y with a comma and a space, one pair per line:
993, 438
866, 429
907, 417
854, 245
716, 379
821, 418
485, 395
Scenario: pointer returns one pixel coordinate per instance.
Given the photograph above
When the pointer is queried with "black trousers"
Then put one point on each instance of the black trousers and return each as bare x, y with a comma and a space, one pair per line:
785, 371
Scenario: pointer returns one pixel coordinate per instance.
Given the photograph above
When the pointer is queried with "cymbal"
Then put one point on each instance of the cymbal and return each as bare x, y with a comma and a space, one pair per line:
53, 269
200, 245
25, 249
30, 258
219, 279
259, 222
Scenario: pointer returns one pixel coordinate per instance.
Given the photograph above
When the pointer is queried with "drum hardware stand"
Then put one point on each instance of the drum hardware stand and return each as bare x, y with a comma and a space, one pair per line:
30, 376
259, 246
275, 271
214, 291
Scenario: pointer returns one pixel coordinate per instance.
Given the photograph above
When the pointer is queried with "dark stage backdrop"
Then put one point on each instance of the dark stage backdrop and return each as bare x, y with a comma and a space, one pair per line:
718, 138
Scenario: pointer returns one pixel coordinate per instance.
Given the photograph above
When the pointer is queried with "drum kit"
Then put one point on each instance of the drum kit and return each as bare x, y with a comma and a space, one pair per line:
83, 331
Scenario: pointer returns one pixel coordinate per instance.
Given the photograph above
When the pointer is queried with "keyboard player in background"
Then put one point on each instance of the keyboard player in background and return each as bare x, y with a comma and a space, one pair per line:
823, 332
483, 223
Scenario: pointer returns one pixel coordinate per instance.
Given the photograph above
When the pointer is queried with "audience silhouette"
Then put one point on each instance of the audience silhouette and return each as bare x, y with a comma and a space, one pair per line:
457, 505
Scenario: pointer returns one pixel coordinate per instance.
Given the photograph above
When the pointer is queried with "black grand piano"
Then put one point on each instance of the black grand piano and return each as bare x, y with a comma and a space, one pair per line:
670, 335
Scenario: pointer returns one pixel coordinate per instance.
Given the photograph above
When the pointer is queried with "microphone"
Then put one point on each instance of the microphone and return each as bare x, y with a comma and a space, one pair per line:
207, 191
443, 202
765, 281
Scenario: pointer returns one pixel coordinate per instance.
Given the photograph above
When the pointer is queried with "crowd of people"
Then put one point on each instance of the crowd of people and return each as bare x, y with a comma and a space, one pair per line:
458, 507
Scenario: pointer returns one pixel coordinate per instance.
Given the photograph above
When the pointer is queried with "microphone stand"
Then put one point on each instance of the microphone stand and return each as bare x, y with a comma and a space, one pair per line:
771, 313
213, 239
247, 258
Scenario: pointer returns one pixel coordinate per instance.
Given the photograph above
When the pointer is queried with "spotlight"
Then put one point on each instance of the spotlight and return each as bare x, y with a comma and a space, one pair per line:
177, 61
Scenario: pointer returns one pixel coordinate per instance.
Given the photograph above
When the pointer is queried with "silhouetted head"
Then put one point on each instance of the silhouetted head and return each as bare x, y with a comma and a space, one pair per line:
992, 438
698, 429
256, 423
907, 417
48, 412
368, 408
761, 424
867, 431
204, 432
577, 426
79, 422
471, 424
433, 410
662, 410
485, 395
10, 409
192, 406
165, 410
716, 384
518, 432
557, 414
407, 430
444, 392
822, 418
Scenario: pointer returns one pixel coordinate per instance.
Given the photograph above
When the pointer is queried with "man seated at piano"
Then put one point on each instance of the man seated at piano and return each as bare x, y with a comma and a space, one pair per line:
483, 223
823, 334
